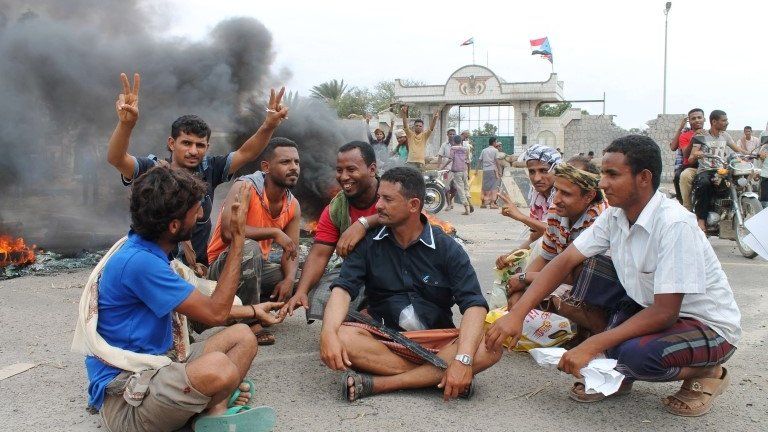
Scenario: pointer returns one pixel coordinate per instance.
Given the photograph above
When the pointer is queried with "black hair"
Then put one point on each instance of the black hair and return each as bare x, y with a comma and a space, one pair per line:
274, 143
419, 121
366, 151
449, 130
716, 115
410, 180
190, 124
457, 139
642, 153
747, 127
161, 195
696, 110
492, 140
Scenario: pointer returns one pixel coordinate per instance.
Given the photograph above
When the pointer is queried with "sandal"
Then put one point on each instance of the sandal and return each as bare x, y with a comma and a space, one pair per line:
246, 418
363, 385
697, 395
578, 393
469, 392
236, 394
265, 337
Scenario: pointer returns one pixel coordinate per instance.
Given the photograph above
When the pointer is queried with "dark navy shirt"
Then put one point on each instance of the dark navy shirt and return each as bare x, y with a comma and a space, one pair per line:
432, 274
213, 170
138, 290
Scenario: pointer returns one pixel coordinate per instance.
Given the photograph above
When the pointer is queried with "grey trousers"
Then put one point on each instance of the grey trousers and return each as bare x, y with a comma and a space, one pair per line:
257, 276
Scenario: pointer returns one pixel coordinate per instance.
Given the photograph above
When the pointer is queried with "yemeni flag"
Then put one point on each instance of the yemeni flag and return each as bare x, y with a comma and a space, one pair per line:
541, 47
470, 41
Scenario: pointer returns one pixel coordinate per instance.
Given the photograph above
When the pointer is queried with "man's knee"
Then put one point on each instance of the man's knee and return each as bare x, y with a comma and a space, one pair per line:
639, 359
213, 373
351, 336
484, 358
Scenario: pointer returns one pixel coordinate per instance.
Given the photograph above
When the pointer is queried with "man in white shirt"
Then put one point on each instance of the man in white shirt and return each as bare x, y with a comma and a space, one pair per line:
678, 319
749, 142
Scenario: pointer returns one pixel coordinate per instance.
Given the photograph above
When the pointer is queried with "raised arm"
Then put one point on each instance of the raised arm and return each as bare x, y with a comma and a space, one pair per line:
675, 143
216, 309
127, 107
433, 120
253, 146
404, 116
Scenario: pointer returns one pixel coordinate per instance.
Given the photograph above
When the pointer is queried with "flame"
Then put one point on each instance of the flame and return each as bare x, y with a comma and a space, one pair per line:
445, 225
15, 251
310, 226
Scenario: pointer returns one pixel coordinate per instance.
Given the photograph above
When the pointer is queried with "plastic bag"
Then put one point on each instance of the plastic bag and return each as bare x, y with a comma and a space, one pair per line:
499, 291
540, 329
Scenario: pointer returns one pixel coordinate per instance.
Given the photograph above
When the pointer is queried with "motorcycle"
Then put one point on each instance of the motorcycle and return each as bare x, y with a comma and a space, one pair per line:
435, 197
734, 200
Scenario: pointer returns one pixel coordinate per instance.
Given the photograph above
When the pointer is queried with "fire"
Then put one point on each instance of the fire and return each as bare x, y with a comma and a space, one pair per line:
15, 251
310, 226
445, 225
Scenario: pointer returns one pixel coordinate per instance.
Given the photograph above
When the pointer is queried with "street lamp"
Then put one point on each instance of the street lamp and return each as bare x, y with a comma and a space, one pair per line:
666, 19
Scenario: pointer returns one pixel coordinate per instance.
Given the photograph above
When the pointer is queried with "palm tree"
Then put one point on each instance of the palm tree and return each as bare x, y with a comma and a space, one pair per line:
329, 91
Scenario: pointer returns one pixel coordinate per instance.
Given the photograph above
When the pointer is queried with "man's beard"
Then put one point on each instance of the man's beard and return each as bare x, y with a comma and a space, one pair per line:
283, 184
183, 235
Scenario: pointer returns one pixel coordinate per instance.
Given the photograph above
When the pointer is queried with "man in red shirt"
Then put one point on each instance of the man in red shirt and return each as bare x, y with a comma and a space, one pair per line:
342, 224
684, 176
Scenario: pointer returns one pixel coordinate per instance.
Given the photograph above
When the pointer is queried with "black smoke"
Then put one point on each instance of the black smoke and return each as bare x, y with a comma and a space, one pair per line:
59, 78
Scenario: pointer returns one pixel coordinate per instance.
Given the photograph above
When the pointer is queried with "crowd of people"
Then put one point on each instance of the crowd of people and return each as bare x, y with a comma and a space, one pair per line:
637, 295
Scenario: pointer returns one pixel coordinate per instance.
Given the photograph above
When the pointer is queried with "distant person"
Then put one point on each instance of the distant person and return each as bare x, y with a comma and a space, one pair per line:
458, 161
417, 138
488, 163
273, 216
712, 142
749, 142
188, 145
379, 140
763, 155
681, 142
590, 155
443, 155
401, 148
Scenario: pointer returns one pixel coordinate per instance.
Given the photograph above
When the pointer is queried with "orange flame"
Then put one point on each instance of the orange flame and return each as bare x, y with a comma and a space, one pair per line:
310, 226
15, 251
445, 225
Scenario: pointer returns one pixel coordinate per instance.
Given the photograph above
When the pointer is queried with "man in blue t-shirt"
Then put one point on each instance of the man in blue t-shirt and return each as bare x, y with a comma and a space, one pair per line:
188, 145
137, 294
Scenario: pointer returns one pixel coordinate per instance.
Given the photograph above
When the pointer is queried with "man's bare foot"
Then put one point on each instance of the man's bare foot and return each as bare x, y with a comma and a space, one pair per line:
245, 394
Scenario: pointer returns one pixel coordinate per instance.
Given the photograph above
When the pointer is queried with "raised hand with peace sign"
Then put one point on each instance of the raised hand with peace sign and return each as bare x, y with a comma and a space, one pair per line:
127, 104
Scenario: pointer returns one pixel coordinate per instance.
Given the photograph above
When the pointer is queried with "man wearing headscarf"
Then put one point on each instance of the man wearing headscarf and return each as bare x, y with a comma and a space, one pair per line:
576, 203
539, 160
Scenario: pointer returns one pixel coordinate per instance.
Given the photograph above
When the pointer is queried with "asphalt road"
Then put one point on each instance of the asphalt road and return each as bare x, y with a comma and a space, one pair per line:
38, 315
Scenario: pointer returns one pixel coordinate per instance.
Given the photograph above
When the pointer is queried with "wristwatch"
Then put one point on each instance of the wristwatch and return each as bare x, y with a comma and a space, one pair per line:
521, 277
364, 222
464, 359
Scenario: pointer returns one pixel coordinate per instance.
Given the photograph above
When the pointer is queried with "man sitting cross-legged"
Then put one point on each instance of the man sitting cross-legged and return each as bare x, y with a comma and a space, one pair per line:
273, 215
576, 203
676, 318
413, 273
143, 374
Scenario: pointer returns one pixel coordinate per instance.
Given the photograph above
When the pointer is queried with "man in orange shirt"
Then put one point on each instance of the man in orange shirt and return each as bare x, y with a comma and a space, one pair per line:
272, 216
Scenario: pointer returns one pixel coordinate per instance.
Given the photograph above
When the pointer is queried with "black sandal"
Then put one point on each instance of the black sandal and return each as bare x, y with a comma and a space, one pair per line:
363, 385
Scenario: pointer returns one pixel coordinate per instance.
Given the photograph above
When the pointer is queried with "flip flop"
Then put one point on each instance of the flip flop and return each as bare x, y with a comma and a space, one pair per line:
239, 419
265, 338
236, 394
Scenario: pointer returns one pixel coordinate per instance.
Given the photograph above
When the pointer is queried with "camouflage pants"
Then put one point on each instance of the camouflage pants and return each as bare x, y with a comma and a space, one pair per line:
257, 276
320, 293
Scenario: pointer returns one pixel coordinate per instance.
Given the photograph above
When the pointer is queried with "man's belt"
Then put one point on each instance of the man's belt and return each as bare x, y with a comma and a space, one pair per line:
398, 337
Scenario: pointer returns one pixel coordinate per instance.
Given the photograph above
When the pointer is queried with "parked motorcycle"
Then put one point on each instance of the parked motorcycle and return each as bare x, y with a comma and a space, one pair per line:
435, 197
734, 200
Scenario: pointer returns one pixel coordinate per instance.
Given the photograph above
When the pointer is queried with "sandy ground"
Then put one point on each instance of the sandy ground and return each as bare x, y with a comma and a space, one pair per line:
38, 315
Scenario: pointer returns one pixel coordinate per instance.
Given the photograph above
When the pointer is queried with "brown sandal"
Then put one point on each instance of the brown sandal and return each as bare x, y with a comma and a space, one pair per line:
579, 394
697, 395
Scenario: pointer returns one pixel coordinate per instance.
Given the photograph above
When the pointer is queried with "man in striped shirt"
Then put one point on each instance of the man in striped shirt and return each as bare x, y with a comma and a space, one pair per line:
576, 203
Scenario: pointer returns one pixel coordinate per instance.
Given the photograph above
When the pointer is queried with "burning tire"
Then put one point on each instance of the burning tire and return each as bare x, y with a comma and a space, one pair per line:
434, 199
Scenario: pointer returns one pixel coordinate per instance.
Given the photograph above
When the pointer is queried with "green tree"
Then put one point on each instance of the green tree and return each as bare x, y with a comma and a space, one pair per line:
329, 91
355, 101
487, 130
554, 110
382, 96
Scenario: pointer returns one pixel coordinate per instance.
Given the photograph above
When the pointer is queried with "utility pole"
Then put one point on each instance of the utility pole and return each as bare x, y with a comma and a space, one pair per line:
666, 20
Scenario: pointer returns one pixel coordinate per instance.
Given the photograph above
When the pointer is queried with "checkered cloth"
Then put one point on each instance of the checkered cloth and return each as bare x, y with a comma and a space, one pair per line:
597, 284
432, 340
319, 295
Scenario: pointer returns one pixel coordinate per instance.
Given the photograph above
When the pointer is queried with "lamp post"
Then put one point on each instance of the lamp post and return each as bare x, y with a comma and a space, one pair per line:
666, 20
